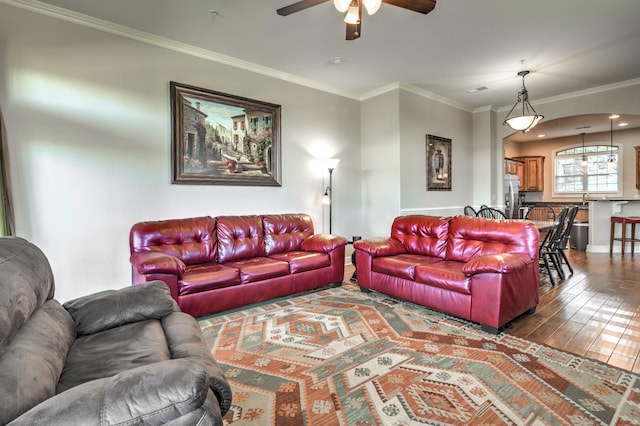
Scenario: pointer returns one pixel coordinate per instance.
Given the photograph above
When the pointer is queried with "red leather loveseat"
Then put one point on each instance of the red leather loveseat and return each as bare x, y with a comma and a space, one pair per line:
482, 270
212, 264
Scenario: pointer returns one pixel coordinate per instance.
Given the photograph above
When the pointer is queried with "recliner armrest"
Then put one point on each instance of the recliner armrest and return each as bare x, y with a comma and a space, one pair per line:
151, 394
153, 262
323, 243
502, 263
113, 308
378, 247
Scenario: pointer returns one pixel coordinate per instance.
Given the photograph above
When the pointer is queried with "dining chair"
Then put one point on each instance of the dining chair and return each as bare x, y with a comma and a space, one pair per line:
548, 253
564, 238
490, 213
541, 213
469, 211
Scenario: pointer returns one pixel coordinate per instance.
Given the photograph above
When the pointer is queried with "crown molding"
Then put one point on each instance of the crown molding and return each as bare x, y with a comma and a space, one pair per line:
580, 93
144, 37
416, 91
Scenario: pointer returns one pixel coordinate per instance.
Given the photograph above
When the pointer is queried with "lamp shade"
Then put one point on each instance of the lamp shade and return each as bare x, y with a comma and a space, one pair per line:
353, 15
331, 163
523, 122
372, 6
341, 5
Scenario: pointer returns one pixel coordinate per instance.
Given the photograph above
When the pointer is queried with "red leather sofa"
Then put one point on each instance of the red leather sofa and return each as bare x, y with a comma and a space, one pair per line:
482, 270
212, 264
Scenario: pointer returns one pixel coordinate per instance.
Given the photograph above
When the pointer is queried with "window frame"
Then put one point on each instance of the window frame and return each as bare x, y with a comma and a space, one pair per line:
591, 150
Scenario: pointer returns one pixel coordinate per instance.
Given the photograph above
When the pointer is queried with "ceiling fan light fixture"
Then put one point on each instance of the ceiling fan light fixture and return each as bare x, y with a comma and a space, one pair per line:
372, 6
341, 5
353, 15
525, 117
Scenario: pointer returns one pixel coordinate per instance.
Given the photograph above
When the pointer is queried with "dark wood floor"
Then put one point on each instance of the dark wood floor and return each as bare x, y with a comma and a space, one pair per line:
594, 313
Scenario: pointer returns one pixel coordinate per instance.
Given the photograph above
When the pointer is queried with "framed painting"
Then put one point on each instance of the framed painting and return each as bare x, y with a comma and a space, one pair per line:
438, 163
222, 139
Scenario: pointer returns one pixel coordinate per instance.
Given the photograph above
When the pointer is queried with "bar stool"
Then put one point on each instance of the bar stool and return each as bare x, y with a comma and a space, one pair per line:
624, 221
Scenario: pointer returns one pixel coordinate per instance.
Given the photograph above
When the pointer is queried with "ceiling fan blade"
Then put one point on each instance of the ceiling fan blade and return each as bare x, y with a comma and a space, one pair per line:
298, 6
421, 6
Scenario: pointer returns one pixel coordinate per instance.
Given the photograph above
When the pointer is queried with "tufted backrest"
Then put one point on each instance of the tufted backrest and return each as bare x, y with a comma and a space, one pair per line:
420, 234
286, 232
192, 240
240, 237
31, 322
470, 237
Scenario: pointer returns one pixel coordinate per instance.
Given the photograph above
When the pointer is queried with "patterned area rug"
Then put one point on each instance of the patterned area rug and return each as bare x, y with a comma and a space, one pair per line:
341, 357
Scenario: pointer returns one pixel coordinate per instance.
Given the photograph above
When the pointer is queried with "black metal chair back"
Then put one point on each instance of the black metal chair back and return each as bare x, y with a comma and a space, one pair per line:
548, 252
490, 213
469, 211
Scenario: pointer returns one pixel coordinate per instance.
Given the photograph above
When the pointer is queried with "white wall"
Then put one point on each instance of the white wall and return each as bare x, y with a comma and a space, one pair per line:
380, 163
88, 124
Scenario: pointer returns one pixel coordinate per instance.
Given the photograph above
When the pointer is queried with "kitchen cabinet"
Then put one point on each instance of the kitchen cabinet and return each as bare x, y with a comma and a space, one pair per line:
533, 173
514, 167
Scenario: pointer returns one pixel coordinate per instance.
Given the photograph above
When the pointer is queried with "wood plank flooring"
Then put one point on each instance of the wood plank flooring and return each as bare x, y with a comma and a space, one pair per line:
594, 313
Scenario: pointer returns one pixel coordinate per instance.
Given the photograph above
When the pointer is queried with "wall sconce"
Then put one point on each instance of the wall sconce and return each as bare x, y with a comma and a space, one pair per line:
327, 198
529, 117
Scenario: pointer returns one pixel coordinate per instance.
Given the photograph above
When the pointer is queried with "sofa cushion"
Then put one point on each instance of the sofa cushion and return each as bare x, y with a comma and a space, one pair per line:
240, 237
425, 235
113, 351
259, 268
286, 232
447, 275
300, 261
401, 265
192, 240
207, 276
471, 237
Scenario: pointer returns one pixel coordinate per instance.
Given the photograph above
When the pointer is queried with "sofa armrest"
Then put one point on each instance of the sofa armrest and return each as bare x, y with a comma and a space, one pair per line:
497, 263
151, 394
153, 262
323, 243
113, 308
378, 247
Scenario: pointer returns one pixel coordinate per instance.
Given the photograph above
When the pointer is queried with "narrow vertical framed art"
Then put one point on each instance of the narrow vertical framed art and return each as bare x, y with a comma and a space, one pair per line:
438, 163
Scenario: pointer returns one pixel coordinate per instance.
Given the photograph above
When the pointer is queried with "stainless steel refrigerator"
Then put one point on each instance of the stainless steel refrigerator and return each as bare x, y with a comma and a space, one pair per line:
511, 199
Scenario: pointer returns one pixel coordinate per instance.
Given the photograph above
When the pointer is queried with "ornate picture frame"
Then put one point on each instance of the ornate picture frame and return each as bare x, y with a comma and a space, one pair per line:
222, 139
438, 163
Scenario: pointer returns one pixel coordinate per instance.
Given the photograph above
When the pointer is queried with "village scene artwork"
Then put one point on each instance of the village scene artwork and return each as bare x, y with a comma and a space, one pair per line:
225, 143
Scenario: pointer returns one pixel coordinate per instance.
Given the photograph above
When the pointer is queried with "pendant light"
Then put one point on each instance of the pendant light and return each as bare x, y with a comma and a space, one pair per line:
525, 117
584, 153
612, 156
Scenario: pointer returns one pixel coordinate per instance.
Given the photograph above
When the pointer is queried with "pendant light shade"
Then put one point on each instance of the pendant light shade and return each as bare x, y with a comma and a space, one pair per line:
524, 116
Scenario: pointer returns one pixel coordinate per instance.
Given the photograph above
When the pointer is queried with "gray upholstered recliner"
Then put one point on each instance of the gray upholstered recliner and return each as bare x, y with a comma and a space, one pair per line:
124, 356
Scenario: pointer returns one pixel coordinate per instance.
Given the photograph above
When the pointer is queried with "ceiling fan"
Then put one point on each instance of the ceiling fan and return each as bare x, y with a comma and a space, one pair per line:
354, 10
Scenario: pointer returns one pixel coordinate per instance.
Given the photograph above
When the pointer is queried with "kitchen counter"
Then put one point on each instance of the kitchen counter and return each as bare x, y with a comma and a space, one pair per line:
600, 212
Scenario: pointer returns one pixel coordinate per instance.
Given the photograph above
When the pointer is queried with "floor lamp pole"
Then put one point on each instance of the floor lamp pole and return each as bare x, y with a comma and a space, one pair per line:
330, 197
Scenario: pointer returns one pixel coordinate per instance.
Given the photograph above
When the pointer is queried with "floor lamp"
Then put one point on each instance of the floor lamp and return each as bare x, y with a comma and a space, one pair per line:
327, 198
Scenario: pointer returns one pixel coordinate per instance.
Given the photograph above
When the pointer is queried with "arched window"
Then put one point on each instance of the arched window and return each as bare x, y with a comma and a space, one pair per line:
577, 171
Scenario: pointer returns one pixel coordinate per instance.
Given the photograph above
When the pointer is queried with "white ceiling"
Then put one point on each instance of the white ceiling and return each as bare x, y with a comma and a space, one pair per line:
568, 45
